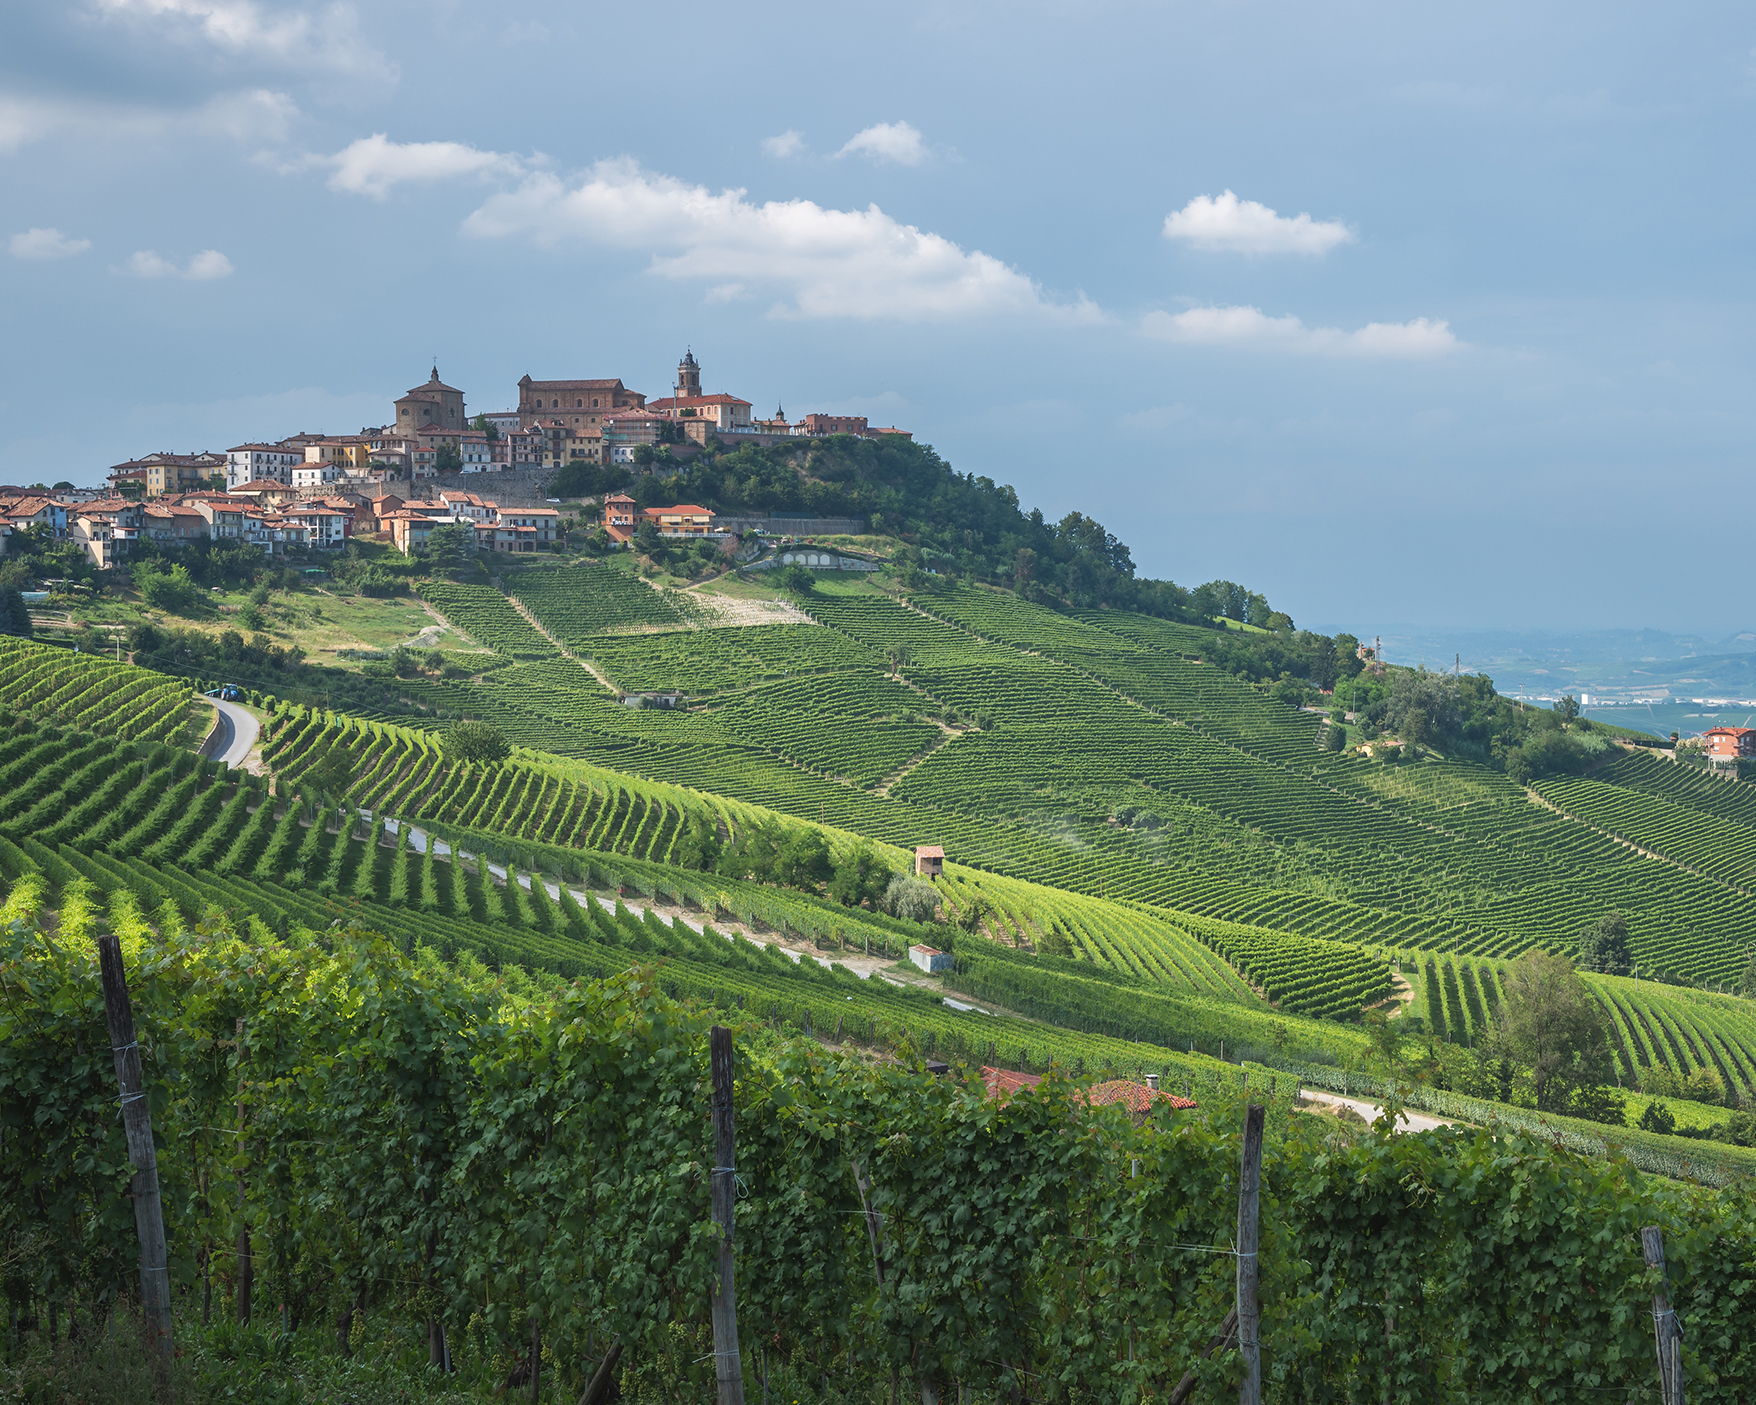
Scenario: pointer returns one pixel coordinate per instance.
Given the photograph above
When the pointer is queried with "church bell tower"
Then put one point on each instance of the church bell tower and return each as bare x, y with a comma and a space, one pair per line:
688, 386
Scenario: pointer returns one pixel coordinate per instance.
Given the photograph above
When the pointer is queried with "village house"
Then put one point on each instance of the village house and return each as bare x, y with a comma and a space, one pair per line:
172, 524
621, 519
253, 463
1725, 745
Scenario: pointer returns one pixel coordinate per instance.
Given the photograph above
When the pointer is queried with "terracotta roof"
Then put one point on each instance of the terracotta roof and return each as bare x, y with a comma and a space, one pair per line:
1728, 731
262, 485
674, 403
1136, 1097
615, 384
1002, 1082
265, 448
929, 851
680, 508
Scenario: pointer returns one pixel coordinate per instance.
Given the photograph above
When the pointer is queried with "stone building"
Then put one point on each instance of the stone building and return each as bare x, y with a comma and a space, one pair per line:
434, 403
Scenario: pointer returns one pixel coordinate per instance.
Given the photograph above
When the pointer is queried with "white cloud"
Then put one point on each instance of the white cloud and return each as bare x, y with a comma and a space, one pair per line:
246, 115
1251, 327
788, 143
888, 141
204, 267
825, 263
1247, 227
372, 165
325, 43
46, 244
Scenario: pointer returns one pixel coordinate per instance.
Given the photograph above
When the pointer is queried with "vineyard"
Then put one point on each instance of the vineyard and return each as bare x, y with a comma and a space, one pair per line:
1117, 1229
91, 693
487, 617
578, 603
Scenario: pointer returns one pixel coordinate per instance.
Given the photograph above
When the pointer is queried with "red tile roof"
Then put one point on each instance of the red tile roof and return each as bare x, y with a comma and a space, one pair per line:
1002, 1082
1136, 1097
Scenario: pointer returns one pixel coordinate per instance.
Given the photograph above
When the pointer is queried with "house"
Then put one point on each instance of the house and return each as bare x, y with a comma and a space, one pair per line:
35, 510
252, 463
325, 527
544, 523
313, 474
1729, 743
172, 524
620, 515
929, 861
468, 505
266, 492
624, 431
1137, 1098
106, 529
171, 473
931, 959
407, 529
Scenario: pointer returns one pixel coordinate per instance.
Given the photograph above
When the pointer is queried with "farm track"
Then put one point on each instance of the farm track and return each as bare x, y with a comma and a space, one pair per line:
560, 648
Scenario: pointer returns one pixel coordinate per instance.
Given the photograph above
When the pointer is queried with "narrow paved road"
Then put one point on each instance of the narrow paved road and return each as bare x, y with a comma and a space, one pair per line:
236, 735
1371, 1111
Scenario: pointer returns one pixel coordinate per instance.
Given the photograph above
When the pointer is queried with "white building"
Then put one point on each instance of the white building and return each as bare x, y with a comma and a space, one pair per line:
314, 475
254, 462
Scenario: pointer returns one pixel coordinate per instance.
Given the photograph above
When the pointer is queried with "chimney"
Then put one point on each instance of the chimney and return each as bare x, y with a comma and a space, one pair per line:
1152, 1081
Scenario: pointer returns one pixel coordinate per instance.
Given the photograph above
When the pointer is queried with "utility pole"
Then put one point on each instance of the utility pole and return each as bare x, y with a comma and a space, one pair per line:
149, 1220
728, 1369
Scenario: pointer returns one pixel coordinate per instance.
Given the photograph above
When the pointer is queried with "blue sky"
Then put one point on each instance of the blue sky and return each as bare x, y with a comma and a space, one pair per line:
1391, 312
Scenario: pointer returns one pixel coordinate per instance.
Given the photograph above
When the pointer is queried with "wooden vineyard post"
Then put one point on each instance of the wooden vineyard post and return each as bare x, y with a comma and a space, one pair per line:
149, 1219
728, 1370
1666, 1330
1249, 1309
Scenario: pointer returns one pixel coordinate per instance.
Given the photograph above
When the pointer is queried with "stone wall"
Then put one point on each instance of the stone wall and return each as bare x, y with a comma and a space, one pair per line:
794, 526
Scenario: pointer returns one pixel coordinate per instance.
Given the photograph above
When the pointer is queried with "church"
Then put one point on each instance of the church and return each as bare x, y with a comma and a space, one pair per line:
434, 403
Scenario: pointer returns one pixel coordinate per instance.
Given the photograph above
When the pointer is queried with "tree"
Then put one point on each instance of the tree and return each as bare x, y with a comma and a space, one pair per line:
166, 590
643, 456
860, 878
796, 579
804, 861
912, 899
1567, 709
1549, 1024
698, 844
447, 459
482, 423
1658, 1118
1747, 981
1384, 1035
475, 741
1604, 948
14, 614
447, 543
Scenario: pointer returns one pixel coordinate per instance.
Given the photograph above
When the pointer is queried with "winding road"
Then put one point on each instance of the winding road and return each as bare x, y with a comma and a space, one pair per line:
235, 735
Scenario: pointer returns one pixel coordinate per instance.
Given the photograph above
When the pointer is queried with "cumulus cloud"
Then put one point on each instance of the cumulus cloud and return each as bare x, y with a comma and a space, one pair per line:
824, 263
895, 142
324, 42
1250, 327
1247, 227
248, 115
788, 143
204, 267
372, 165
46, 244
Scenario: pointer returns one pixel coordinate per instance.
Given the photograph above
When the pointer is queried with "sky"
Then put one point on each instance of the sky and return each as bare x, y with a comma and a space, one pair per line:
1397, 314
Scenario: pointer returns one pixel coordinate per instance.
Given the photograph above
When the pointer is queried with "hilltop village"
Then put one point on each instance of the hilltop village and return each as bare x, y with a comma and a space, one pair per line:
432, 464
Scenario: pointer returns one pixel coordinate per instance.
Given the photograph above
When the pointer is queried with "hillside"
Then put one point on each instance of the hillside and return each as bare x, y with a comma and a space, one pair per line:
1147, 852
